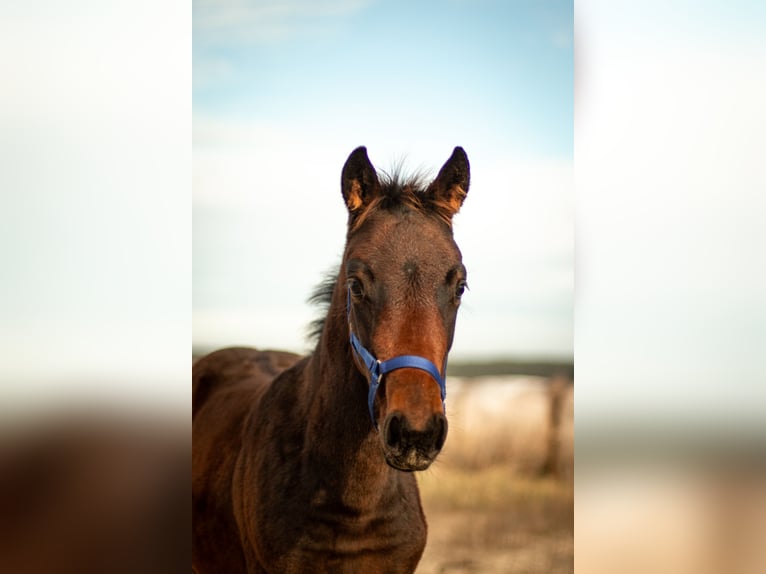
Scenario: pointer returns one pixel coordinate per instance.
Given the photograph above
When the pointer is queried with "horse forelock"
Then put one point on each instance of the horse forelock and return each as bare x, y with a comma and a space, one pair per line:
400, 192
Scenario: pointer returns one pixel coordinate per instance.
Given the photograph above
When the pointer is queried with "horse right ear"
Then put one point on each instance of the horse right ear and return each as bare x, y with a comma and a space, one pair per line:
359, 181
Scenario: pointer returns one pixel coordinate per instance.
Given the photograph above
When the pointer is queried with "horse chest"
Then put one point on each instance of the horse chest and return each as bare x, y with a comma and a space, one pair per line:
324, 530
393, 543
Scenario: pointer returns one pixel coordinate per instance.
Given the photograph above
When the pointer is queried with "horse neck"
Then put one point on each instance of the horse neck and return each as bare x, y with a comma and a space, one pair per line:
345, 447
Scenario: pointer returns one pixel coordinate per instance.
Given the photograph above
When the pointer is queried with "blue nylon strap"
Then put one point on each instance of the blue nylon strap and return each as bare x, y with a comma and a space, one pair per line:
376, 369
415, 362
372, 364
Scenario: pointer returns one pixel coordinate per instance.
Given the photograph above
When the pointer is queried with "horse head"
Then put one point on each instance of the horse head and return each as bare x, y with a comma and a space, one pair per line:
403, 278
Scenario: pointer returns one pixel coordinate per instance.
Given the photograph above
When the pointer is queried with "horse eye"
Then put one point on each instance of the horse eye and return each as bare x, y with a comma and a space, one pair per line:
460, 289
356, 287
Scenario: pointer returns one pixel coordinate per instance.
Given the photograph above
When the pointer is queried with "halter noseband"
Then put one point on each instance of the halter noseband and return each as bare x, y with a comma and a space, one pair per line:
377, 369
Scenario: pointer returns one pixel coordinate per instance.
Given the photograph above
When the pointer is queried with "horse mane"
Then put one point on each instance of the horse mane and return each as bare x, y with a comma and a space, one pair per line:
321, 296
399, 192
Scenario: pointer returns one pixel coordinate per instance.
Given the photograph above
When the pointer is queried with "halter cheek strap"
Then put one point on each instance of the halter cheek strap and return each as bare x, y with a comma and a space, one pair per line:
376, 369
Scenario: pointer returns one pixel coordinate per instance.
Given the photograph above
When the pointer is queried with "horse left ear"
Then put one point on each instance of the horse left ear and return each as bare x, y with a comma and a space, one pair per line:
451, 185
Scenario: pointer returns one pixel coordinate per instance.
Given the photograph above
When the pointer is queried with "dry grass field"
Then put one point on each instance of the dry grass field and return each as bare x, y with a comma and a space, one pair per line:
490, 506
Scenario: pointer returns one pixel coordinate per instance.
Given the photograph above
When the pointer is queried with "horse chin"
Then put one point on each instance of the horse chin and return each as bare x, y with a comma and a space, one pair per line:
408, 462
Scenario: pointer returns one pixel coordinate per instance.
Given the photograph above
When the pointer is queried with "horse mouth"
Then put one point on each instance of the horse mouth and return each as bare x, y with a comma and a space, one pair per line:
410, 461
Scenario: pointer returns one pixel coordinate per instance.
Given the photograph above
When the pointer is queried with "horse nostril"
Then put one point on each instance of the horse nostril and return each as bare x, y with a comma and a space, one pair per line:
393, 430
398, 434
439, 423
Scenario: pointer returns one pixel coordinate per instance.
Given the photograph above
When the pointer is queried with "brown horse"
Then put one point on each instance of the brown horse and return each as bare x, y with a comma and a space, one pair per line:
289, 472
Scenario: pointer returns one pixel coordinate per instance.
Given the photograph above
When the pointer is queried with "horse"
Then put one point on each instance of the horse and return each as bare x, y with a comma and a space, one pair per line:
306, 464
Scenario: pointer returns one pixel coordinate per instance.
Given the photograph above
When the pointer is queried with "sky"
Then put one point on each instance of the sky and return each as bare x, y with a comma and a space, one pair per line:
284, 91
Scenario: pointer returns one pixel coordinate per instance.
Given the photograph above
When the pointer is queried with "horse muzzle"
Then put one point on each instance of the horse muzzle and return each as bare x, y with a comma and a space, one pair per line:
409, 449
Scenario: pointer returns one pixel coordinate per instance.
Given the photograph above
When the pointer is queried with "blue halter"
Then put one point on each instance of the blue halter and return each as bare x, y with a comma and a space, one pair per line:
377, 369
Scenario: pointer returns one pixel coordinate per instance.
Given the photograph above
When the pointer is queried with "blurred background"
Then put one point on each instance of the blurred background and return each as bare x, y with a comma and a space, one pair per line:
95, 286
101, 153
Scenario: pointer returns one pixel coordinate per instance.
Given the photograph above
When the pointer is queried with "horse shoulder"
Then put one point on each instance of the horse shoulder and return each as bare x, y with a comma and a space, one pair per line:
227, 385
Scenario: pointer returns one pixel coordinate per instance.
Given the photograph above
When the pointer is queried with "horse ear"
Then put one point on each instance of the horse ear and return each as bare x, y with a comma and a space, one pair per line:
451, 185
358, 181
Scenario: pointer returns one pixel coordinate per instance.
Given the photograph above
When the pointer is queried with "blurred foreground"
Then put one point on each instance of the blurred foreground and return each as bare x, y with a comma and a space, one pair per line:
678, 500
678, 518
94, 493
